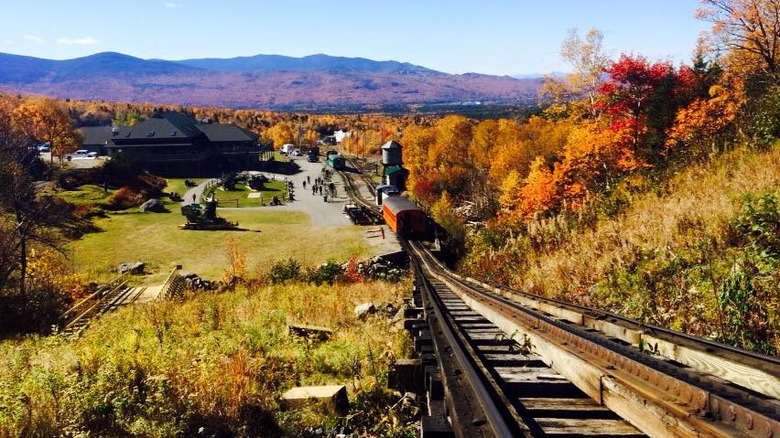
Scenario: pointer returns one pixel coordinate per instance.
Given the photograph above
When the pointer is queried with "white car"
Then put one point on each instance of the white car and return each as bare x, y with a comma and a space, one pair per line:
79, 154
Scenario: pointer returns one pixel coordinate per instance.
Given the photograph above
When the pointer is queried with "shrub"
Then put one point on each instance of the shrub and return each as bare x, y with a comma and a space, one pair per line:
284, 270
125, 198
328, 272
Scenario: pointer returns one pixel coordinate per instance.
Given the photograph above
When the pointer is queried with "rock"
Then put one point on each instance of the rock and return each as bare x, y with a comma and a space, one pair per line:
314, 333
154, 205
363, 310
331, 398
135, 268
389, 309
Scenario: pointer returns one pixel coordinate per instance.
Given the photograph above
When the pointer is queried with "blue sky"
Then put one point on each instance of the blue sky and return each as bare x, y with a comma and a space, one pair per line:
455, 36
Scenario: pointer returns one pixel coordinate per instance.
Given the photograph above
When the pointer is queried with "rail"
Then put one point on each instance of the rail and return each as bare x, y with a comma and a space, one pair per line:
656, 395
173, 285
77, 317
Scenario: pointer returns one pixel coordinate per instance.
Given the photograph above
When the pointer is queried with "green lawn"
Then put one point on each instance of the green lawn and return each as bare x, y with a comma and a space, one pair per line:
176, 185
156, 240
241, 194
86, 194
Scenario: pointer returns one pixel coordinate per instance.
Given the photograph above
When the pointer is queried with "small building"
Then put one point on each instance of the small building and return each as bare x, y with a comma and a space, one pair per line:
341, 135
174, 143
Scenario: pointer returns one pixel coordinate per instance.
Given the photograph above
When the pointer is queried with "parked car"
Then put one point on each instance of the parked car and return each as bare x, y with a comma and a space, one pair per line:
44, 147
81, 153
92, 155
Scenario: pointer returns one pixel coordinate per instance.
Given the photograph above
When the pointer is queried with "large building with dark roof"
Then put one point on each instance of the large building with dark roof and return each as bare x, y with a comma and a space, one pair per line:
176, 144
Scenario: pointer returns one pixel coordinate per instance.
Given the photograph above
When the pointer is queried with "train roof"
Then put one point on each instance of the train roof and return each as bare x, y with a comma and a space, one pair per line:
399, 203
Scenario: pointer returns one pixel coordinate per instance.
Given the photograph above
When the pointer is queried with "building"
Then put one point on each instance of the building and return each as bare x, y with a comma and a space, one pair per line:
341, 135
392, 161
176, 144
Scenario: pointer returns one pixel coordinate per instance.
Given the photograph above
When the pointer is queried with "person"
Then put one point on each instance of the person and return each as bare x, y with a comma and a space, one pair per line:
193, 198
308, 178
304, 185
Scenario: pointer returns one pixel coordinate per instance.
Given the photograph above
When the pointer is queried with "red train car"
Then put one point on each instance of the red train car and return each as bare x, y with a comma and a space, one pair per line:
403, 217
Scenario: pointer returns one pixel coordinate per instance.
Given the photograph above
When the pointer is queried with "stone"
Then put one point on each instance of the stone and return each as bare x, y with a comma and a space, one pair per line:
332, 398
154, 205
363, 310
389, 309
135, 268
319, 334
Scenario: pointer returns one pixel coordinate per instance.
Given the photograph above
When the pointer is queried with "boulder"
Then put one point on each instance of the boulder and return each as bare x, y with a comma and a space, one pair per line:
154, 205
134, 268
362, 311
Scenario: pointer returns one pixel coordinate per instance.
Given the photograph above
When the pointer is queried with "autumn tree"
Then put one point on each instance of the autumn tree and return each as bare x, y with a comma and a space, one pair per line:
281, 133
750, 29
704, 120
588, 61
48, 120
25, 217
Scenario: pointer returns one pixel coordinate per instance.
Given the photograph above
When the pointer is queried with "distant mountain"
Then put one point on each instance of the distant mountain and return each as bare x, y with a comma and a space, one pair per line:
262, 81
555, 74
310, 63
15, 69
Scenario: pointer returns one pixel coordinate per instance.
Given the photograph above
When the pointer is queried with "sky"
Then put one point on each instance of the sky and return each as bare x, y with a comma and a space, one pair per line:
502, 37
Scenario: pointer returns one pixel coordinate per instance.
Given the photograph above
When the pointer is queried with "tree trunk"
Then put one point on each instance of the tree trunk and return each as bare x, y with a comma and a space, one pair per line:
22, 254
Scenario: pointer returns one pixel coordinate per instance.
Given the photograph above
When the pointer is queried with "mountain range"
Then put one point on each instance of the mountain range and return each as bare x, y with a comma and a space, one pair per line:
261, 82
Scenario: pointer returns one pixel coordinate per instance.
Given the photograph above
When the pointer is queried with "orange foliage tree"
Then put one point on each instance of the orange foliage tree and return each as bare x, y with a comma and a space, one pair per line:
703, 120
48, 120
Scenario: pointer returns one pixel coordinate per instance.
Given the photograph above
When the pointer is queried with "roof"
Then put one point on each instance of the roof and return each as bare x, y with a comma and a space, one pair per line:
95, 134
223, 133
158, 128
169, 127
392, 144
399, 203
389, 170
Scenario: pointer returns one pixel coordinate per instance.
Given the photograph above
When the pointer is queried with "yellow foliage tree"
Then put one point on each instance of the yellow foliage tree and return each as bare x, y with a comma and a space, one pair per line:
280, 134
703, 120
48, 120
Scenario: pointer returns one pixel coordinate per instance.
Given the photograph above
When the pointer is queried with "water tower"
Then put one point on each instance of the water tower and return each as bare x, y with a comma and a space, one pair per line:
391, 154
394, 173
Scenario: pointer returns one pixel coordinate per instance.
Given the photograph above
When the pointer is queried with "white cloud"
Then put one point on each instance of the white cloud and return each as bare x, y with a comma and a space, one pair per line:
35, 39
172, 5
9, 42
83, 41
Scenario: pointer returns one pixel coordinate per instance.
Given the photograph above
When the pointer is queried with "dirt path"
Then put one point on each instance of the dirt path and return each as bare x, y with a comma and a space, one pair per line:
194, 194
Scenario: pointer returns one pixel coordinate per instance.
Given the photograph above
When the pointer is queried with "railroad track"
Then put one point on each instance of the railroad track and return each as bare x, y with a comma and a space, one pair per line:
502, 362
363, 212
106, 298
517, 365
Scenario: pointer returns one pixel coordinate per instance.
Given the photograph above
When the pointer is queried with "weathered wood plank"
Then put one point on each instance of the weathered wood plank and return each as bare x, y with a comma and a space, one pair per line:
587, 427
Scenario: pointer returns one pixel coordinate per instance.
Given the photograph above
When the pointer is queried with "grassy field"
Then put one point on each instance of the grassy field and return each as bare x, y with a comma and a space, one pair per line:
213, 364
86, 194
240, 196
176, 185
156, 240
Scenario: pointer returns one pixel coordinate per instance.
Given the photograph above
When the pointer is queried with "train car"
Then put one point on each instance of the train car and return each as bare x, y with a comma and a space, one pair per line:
336, 161
403, 217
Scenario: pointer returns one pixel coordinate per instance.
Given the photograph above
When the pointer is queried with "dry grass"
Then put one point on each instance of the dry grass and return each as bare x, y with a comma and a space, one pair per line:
702, 201
671, 257
216, 361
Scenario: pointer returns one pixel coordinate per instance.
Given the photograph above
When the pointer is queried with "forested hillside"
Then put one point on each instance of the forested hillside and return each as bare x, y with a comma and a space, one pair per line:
644, 188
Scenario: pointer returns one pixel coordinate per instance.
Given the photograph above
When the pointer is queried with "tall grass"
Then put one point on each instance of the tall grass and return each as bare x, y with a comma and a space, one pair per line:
211, 365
